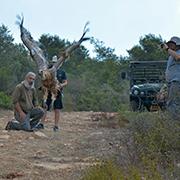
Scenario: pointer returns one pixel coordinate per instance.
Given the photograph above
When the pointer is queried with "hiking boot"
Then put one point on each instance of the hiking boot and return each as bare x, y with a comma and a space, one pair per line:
29, 130
39, 126
13, 125
8, 126
55, 128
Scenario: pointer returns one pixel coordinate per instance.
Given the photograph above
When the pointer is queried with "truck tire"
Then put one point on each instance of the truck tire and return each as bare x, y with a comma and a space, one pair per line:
135, 106
148, 108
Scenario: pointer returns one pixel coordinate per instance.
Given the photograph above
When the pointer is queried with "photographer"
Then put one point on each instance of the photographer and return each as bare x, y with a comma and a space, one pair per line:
173, 76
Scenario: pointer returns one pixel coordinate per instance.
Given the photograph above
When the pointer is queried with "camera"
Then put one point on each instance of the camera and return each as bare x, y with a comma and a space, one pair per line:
162, 45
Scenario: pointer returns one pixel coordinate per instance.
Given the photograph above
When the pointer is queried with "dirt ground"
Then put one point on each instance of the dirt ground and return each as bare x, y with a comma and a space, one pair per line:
83, 140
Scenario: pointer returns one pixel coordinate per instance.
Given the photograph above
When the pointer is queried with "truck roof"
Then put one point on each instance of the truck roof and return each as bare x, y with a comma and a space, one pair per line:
149, 62
147, 72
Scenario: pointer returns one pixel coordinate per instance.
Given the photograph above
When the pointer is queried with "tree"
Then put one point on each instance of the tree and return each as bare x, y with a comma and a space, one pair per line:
51, 45
14, 59
148, 49
94, 84
103, 52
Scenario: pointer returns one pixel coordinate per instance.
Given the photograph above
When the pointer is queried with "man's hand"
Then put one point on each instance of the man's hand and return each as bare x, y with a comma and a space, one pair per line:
60, 86
18, 108
164, 46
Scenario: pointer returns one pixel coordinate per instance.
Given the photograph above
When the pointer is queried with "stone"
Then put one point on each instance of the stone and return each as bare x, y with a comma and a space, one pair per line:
40, 134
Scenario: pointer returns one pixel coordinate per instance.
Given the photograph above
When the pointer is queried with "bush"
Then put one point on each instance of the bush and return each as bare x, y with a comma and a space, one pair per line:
109, 170
105, 171
5, 101
151, 150
156, 140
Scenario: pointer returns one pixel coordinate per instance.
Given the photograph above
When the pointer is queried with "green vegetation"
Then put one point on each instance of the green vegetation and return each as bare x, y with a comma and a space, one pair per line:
5, 101
109, 170
153, 145
156, 139
14, 60
152, 150
106, 170
94, 83
148, 49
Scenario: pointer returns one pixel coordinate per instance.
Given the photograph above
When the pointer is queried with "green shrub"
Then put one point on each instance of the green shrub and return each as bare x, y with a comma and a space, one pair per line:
106, 171
156, 140
109, 170
151, 147
5, 101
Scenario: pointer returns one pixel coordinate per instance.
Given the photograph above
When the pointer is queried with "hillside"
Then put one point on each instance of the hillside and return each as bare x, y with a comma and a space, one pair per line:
82, 141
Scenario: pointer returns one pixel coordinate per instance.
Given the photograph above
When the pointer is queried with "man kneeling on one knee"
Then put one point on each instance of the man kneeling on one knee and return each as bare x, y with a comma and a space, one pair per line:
26, 111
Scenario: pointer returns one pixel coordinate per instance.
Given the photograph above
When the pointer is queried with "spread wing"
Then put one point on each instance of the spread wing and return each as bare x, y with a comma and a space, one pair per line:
35, 51
71, 48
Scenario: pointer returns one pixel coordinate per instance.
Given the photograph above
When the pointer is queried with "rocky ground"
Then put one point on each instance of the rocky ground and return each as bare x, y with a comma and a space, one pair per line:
85, 139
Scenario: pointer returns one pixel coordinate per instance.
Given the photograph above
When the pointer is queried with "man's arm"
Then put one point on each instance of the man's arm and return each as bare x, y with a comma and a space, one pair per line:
65, 82
174, 54
171, 52
35, 98
17, 107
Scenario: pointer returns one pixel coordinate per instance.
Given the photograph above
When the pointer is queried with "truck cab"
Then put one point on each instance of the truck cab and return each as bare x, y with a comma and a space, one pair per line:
147, 78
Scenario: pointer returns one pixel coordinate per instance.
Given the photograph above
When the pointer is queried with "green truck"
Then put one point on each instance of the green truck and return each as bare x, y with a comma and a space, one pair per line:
147, 78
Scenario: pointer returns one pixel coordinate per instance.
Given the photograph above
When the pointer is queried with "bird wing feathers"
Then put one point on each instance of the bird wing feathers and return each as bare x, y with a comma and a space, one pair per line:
35, 51
71, 48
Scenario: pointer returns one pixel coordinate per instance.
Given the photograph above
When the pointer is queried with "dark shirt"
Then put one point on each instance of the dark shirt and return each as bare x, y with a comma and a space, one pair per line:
61, 75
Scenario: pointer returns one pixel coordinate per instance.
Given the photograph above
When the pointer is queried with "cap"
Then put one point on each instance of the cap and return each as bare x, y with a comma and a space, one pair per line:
54, 59
175, 40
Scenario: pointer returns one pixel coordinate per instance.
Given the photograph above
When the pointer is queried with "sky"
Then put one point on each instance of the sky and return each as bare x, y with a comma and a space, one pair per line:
118, 23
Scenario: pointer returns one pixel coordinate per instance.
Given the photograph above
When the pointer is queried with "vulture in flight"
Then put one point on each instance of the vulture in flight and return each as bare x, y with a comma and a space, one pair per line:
48, 75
